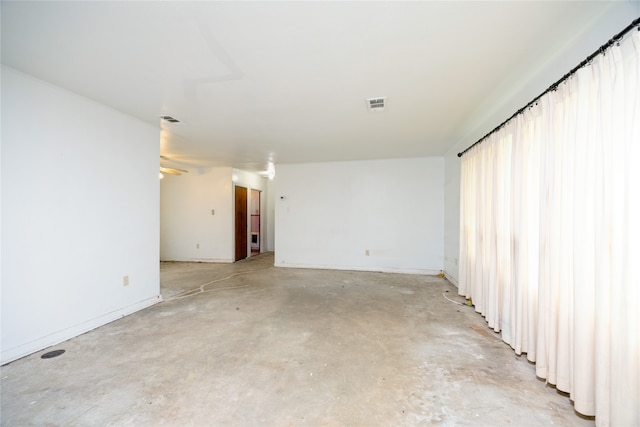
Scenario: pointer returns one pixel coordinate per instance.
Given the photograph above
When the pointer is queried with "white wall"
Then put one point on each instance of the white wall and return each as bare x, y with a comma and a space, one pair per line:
451, 216
79, 211
329, 214
188, 231
501, 107
271, 215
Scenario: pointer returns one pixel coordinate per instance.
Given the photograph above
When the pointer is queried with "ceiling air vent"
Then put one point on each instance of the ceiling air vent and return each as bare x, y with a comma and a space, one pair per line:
376, 104
170, 119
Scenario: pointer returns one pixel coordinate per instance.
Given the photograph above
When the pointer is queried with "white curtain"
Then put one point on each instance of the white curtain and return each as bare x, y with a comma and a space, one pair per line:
550, 234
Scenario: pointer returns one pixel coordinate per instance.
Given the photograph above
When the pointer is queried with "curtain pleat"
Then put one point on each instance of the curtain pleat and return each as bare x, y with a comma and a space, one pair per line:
550, 234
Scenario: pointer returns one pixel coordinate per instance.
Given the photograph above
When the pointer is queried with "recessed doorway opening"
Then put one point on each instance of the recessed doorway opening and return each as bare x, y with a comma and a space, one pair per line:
255, 222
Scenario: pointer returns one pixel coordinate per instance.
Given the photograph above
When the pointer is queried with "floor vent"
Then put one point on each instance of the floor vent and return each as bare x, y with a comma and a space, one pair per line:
376, 104
52, 354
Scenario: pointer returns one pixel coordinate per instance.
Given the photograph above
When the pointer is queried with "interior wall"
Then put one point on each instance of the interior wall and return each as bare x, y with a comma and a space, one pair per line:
451, 216
79, 213
380, 215
189, 230
271, 214
499, 108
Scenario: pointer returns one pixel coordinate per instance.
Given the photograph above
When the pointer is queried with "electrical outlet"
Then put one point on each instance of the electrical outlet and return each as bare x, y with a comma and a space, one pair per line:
125, 280
197, 245
366, 253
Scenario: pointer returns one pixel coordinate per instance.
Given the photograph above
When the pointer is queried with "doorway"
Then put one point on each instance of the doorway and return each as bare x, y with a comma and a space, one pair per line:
241, 222
256, 237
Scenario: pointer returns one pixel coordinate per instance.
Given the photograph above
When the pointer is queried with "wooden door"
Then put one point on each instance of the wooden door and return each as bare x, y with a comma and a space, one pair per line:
241, 223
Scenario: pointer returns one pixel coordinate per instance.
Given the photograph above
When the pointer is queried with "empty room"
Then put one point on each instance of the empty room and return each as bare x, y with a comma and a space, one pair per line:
225, 213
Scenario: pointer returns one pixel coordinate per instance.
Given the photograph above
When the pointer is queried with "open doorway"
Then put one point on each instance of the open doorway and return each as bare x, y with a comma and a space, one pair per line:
255, 222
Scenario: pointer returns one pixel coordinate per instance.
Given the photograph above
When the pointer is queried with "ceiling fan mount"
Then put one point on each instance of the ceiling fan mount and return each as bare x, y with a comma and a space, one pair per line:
170, 170
173, 171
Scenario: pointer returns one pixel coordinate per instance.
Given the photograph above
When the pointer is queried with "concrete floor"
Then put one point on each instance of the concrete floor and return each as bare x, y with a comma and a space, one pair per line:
286, 347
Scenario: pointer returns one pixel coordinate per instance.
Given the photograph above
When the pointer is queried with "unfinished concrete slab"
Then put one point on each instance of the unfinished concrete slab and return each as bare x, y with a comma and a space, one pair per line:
248, 344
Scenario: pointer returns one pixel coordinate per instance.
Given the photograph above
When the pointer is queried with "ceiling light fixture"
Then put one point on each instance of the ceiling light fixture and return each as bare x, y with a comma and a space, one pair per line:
160, 176
271, 170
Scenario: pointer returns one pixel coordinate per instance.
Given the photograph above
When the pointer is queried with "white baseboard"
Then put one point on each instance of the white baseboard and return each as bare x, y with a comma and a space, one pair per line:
11, 354
212, 260
427, 272
450, 278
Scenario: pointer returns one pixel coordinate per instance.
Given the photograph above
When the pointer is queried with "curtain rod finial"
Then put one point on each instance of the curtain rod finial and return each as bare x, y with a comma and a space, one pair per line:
459, 154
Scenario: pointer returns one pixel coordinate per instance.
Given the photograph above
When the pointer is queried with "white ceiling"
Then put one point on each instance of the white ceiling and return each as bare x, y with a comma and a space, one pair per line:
287, 81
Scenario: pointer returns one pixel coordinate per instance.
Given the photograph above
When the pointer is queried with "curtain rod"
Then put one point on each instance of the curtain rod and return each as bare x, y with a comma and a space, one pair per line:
600, 50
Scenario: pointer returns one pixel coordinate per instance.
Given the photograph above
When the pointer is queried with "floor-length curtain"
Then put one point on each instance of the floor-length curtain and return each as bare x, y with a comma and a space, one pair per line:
550, 234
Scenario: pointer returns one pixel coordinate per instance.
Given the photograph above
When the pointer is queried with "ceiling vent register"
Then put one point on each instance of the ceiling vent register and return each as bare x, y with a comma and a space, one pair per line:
376, 104
170, 119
